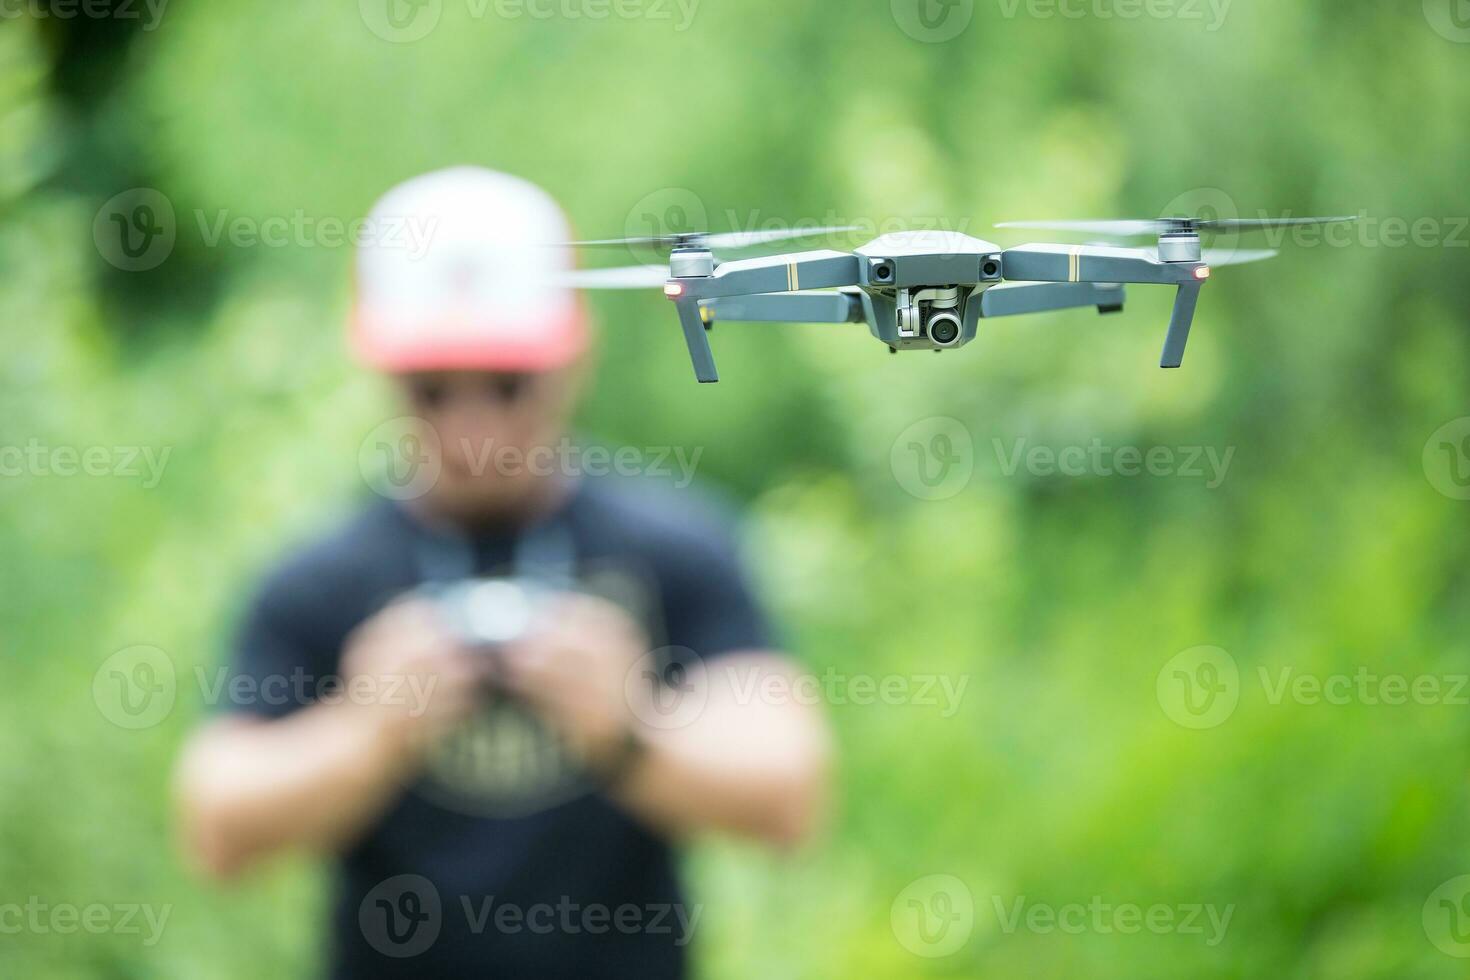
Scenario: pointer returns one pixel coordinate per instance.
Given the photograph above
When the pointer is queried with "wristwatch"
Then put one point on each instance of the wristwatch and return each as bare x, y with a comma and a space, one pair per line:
615, 766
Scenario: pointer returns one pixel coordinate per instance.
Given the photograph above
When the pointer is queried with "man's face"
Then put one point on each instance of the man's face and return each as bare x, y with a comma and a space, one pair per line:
497, 434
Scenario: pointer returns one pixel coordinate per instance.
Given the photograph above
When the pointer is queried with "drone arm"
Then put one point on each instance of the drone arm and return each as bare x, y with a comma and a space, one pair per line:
1010, 299
1093, 263
776, 274
817, 307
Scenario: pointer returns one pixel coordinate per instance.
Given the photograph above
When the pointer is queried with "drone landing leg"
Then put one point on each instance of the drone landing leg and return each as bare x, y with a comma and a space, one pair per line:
699, 352
1179, 324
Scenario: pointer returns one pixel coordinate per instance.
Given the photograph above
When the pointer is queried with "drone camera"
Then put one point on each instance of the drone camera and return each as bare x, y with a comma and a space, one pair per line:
990, 268
944, 329
881, 270
935, 315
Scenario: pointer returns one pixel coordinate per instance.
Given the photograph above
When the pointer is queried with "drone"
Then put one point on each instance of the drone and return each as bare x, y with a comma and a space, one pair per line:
926, 290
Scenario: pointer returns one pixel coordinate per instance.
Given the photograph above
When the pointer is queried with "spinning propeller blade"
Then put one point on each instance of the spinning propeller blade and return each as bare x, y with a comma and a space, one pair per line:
1209, 256
626, 277
704, 239
1240, 256
1160, 226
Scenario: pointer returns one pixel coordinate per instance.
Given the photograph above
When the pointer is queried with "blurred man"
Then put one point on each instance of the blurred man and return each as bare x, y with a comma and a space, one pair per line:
499, 809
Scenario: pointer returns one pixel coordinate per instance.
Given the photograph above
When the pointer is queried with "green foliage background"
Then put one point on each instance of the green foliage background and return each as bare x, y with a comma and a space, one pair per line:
1060, 598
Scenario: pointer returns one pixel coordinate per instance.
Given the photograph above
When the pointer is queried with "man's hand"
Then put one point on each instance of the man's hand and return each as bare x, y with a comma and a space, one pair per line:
573, 669
408, 678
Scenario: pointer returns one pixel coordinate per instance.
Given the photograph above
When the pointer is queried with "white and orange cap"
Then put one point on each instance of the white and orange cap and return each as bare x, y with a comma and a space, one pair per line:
458, 270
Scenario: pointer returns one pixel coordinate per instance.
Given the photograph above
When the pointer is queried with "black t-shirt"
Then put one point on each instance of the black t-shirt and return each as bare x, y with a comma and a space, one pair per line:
502, 859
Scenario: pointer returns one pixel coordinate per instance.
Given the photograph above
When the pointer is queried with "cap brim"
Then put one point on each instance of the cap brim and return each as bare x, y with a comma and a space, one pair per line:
545, 345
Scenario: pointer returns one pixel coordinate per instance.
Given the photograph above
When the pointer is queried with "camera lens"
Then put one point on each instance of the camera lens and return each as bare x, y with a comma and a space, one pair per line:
944, 329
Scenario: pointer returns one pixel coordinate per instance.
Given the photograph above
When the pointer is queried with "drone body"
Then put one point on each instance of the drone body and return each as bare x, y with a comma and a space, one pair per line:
926, 290
915, 290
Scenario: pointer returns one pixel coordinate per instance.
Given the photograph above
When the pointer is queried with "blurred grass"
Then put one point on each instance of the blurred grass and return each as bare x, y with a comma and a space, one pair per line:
1058, 598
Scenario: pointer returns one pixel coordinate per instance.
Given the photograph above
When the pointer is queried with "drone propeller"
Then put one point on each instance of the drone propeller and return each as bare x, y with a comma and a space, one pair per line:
624, 277
1241, 256
1209, 256
1164, 226
708, 240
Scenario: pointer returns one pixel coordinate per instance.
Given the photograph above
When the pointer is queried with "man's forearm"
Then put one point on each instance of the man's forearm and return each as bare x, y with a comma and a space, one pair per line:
312, 781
